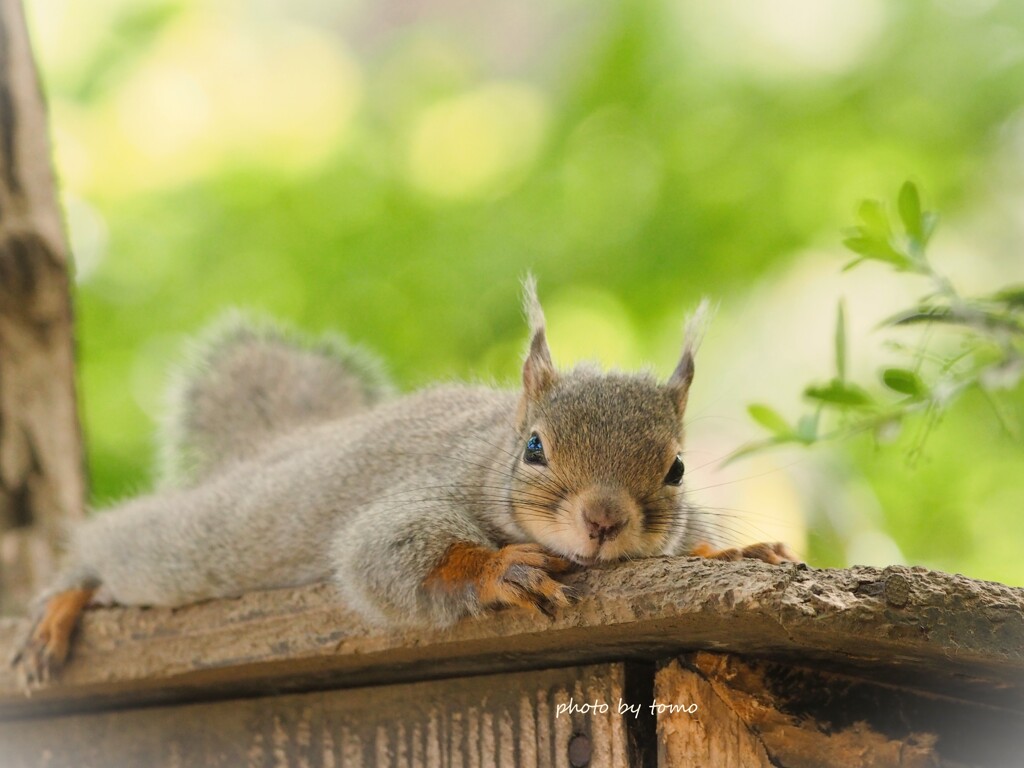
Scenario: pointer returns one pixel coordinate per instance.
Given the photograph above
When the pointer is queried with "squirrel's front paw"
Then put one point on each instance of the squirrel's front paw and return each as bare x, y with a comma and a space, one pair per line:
45, 647
773, 553
518, 574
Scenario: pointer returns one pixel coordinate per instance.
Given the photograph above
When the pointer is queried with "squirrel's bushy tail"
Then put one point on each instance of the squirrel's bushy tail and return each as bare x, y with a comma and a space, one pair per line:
249, 380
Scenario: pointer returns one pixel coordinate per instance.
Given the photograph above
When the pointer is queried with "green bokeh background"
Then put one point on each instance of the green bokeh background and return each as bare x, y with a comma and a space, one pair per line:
393, 168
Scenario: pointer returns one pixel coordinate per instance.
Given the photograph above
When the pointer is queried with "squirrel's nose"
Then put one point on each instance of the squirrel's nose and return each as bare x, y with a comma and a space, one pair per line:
603, 524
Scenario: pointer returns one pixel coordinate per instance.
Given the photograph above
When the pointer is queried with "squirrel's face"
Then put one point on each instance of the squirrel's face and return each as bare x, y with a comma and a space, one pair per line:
599, 472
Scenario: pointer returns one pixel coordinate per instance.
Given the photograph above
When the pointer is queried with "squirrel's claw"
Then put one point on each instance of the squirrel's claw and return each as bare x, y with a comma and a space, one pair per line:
37, 657
517, 574
44, 648
520, 576
773, 553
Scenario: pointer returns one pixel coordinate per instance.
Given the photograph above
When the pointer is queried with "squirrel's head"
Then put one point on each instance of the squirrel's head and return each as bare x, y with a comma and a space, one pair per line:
598, 471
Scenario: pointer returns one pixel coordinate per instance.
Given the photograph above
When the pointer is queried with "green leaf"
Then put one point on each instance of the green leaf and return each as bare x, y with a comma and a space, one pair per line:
870, 246
975, 317
839, 393
905, 382
841, 342
925, 313
858, 243
769, 418
929, 221
910, 210
875, 218
1012, 296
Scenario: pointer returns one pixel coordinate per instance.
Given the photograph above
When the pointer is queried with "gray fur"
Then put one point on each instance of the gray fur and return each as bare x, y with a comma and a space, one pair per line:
342, 498
248, 379
294, 476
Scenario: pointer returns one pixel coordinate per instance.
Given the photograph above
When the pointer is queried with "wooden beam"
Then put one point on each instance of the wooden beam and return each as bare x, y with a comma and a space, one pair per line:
929, 630
518, 720
759, 713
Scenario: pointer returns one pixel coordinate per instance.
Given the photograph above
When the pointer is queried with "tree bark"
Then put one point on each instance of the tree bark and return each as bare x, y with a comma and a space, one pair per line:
42, 479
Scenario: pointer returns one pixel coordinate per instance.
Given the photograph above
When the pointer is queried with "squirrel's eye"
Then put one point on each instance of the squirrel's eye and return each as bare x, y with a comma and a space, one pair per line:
534, 453
675, 474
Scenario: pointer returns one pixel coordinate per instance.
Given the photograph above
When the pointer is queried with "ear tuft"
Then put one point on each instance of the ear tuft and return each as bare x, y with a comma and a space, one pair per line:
681, 378
538, 369
531, 304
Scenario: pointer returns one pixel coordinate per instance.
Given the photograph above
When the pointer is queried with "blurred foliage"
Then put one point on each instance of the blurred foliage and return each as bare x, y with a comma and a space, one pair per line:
393, 168
969, 344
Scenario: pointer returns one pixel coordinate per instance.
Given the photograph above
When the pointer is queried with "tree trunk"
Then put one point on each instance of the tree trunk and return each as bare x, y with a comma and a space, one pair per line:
42, 481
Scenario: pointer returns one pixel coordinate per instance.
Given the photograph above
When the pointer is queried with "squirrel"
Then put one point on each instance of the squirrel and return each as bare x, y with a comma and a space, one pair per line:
291, 462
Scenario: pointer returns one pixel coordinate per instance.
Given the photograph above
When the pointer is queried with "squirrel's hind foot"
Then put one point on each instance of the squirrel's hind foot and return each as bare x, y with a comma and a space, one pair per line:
44, 649
515, 575
774, 553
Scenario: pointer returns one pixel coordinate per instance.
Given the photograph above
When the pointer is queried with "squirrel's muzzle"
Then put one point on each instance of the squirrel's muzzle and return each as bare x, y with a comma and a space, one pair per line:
605, 512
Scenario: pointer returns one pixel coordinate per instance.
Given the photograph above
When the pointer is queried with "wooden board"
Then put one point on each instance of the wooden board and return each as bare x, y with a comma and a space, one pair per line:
762, 714
507, 721
931, 630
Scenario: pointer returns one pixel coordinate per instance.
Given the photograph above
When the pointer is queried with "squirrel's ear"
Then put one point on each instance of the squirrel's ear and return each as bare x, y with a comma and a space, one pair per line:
681, 378
538, 370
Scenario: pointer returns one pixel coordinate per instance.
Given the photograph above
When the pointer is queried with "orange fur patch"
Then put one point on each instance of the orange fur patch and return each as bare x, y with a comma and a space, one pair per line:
517, 574
768, 553
60, 617
703, 550
462, 564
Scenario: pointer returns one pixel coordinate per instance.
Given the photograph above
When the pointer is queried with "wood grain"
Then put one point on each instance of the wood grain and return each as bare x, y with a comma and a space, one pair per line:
713, 734
763, 713
504, 721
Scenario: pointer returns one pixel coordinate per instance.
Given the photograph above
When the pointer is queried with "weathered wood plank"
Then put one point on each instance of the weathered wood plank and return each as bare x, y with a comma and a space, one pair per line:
760, 713
504, 721
707, 731
931, 630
